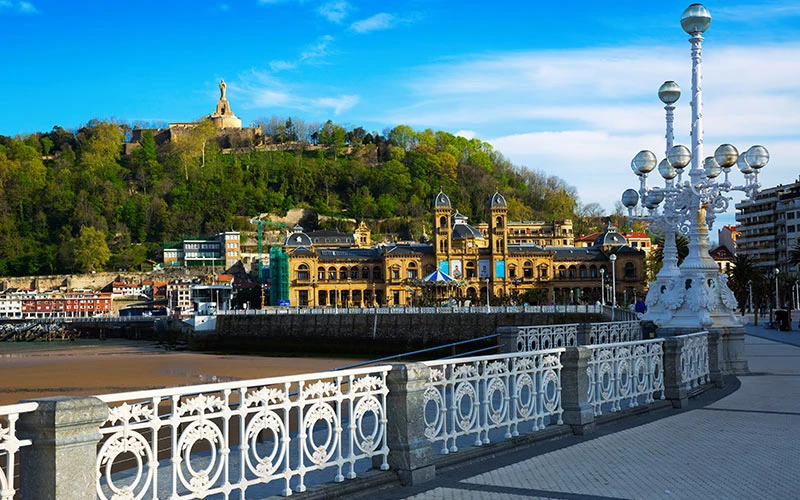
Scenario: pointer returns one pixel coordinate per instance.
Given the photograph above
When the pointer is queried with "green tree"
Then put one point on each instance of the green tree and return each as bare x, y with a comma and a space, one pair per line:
742, 275
90, 250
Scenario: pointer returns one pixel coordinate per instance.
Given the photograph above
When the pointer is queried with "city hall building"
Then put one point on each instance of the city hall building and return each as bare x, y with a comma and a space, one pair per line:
491, 260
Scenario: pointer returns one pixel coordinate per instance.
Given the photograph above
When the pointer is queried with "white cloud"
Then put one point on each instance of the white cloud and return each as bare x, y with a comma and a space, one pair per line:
467, 134
377, 22
337, 104
318, 50
335, 11
262, 90
19, 7
281, 65
583, 114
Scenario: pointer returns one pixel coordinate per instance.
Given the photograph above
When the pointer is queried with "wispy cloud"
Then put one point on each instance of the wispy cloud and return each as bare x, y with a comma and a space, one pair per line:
18, 7
260, 89
760, 11
571, 112
335, 11
377, 22
313, 54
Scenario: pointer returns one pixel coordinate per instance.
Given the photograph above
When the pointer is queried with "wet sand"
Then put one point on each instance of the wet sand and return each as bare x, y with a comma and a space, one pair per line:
60, 369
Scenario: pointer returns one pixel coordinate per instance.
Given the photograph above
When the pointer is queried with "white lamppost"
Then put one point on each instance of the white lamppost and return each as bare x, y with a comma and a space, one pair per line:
602, 287
777, 299
336, 299
750, 300
797, 294
694, 296
613, 259
488, 309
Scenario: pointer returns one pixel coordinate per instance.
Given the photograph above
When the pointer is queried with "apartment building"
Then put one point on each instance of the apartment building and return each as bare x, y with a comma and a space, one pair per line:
222, 249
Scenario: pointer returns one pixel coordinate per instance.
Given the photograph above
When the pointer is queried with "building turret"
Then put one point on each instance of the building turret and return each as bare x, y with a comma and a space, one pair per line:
442, 209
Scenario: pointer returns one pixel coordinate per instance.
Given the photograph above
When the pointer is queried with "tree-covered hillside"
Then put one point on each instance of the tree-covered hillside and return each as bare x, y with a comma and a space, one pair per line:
71, 201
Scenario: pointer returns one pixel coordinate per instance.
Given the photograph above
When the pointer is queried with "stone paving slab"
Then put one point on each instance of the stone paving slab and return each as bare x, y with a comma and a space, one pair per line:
737, 443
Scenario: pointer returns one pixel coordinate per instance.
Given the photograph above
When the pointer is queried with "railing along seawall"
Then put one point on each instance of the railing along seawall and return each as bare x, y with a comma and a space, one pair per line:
615, 331
623, 372
694, 359
229, 437
10, 445
581, 309
534, 338
471, 396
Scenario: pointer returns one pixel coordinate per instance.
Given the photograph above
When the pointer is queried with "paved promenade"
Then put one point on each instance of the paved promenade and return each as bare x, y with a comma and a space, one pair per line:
741, 442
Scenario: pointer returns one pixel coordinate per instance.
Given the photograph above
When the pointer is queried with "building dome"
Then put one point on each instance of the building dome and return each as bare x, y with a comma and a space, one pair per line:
610, 237
298, 238
497, 200
461, 229
441, 200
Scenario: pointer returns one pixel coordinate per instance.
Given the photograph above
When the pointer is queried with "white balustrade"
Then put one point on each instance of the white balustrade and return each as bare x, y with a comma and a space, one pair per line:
535, 338
227, 437
10, 445
624, 372
694, 359
616, 331
471, 396
581, 309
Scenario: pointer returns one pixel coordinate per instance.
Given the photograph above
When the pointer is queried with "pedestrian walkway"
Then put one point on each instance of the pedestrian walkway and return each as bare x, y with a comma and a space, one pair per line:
736, 443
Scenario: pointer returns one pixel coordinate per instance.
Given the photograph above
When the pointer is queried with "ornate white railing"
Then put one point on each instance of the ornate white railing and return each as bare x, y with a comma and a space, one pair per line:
585, 309
615, 331
220, 438
536, 338
10, 445
624, 372
471, 396
694, 359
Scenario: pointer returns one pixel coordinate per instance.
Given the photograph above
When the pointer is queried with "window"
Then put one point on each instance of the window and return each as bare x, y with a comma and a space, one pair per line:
376, 273
562, 272
396, 273
320, 273
331, 273
354, 273
527, 269
582, 271
365, 272
572, 271
630, 270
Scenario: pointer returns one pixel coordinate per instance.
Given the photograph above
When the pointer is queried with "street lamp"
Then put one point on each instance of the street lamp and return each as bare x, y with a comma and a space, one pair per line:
602, 287
750, 299
336, 299
488, 310
313, 294
696, 292
613, 259
777, 299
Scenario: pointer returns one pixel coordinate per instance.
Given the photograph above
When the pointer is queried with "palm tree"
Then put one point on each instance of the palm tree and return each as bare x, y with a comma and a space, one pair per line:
794, 255
656, 258
743, 273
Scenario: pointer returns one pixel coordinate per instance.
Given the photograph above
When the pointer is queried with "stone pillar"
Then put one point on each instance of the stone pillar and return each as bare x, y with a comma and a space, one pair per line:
733, 349
410, 452
675, 389
583, 333
715, 358
61, 463
507, 339
578, 413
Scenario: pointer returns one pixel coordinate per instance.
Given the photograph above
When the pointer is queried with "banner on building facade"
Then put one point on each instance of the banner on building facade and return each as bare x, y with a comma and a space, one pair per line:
483, 271
457, 269
500, 269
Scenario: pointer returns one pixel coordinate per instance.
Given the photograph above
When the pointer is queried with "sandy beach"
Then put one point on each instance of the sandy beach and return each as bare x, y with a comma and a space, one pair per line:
36, 370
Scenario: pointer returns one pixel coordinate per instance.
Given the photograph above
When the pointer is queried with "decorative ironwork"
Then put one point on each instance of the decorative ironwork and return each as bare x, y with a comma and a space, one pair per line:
10, 445
694, 359
225, 437
624, 372
536, 338
618, 331
471, 396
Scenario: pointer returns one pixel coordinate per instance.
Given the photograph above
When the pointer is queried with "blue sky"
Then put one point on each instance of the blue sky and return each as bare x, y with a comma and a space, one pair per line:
568, 88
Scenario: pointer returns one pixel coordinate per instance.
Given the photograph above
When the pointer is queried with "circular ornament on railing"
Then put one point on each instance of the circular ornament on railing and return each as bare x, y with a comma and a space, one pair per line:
200, 480
624, 376
120, 443
525, 394
264, 465
605, 376
465, 396
550, 395
368, 441
640, 374
497, 410
320, 451
433, 426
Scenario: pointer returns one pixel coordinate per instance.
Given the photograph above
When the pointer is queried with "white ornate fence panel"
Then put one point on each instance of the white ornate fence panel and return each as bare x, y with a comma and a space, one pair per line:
195, 441
616, 331
536, 338
624, 372
471, 396
10, 445
694, 359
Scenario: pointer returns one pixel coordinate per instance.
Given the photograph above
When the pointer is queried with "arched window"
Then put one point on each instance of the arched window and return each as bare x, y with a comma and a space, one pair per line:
376, 273
512, 271
320, 273
527, 269
499, 222
470, 269
442, 221
562, 271
302, 272
572, 271
412, 271
365, 273
343, 273
630, 270
582, 271
354, 272
331, 273
593, 271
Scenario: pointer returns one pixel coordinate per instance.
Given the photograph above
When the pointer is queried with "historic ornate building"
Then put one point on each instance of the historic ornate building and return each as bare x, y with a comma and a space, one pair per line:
360, 275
